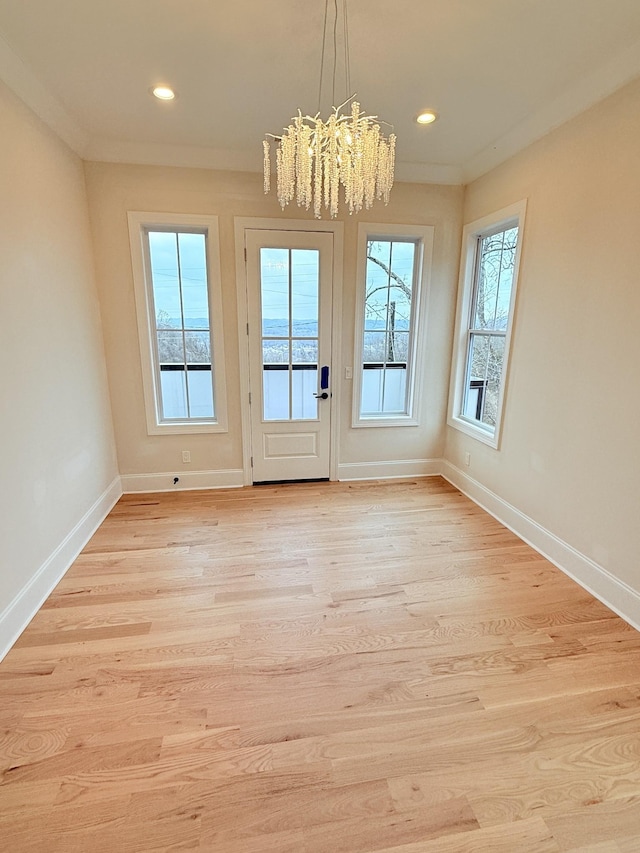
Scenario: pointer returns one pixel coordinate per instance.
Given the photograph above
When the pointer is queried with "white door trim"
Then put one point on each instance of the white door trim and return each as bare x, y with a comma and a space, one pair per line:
242, 224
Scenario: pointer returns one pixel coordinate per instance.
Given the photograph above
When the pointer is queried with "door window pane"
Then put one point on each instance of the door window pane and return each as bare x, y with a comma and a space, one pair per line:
304, 352
304, 385
274, 283
275, 394
304, 291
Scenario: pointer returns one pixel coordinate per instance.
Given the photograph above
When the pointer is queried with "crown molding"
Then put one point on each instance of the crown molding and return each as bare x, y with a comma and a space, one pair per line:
584, 94
154, 154
158, 154
26, 85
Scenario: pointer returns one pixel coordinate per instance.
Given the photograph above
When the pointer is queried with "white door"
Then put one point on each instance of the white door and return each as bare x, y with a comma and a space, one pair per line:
289, 288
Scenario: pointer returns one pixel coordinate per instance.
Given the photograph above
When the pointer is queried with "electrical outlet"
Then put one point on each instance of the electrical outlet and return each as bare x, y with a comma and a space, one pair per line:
186, 456
467, 459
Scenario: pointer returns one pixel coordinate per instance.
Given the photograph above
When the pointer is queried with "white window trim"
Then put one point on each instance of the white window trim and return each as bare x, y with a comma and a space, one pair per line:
423, 234
492, 223
138, 221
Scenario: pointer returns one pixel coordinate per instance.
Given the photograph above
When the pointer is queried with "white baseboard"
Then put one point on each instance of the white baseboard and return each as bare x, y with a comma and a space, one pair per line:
391, 470
19, 612
617, 595
230, 478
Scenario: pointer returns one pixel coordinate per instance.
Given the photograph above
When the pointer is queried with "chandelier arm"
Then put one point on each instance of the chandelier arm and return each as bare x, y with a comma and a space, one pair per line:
344, 104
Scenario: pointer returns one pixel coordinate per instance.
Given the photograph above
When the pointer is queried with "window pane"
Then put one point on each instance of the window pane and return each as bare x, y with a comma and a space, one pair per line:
304, 385
496, 262
395, 389
401, 285
275, 351
275, 379
494, 374
375, 347
274, 279
198, 347
163, 251
482, 390
193, 277
304, 291
174, 394
170, 348
304, 352
372, 387
402, 261
200, 393
398, 347
275, 394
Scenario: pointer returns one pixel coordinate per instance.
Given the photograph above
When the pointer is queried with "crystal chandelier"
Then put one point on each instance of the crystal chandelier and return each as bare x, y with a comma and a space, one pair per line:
315, 157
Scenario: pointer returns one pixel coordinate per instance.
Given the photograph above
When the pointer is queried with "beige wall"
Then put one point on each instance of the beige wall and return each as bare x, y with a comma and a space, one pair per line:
58, 455
570, 455
115, 189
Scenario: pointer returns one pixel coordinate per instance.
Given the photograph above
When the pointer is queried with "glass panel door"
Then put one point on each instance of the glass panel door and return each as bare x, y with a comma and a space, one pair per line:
289, 290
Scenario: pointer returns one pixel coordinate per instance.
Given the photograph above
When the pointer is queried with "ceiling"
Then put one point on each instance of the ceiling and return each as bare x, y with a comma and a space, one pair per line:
500, 73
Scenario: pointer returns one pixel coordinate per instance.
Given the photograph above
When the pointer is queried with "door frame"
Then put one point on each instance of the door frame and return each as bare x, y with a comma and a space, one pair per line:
242, 224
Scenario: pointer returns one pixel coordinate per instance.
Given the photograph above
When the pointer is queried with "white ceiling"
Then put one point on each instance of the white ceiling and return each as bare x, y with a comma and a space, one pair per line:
500, 73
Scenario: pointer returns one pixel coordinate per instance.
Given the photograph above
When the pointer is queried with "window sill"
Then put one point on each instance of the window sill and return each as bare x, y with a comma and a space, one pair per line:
468, 428
185, 428
382, 421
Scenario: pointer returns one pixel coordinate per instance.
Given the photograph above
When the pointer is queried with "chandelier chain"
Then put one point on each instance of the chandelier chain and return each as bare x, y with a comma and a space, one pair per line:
322, 55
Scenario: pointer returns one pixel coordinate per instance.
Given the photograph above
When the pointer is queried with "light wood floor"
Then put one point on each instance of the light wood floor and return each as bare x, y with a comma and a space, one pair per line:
321, 668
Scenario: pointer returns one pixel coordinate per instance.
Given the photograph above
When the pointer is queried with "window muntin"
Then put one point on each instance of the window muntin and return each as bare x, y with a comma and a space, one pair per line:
176, 274
488, 281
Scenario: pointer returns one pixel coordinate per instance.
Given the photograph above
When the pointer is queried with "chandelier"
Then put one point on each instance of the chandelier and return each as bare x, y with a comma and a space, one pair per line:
314, 157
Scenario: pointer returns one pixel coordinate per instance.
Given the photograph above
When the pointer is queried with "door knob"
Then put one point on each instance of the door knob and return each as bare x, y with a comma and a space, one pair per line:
322, 396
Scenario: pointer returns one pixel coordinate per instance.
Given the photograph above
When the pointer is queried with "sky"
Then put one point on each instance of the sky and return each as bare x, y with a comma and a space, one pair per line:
168, 251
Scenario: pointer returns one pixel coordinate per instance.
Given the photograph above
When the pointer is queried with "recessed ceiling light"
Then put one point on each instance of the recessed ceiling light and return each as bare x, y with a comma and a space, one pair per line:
163, 93
427, 117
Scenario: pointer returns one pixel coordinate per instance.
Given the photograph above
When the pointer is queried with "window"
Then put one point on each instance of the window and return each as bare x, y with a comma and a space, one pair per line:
488, 279
392, 266
176, 277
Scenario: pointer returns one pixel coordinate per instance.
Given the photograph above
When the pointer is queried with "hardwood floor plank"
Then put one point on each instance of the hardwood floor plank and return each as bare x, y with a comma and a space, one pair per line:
319, 668
525, 836
597, 822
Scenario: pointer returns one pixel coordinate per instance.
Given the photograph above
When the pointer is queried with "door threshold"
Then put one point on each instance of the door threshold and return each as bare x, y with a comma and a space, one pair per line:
287, 482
